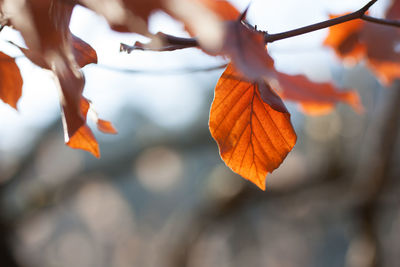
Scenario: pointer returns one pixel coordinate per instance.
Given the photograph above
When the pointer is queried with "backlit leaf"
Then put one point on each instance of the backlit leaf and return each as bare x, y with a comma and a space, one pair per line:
106, 127
103, 125
71, 84
44, 26
383, 55
84, 139
252, 136
315, 98
10, 81
378, 44
222, 8
345, 39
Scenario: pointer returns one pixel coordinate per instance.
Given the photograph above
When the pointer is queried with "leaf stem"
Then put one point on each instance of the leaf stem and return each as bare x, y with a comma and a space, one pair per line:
269, 38
387, 22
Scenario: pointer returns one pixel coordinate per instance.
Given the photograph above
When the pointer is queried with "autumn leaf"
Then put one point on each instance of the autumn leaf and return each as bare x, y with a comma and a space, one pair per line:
357, 39
224, 9
71, 84
10, 81
84, 139
103, 125
393, 11
254, 136
51, 45
106, 126
125, 15
44, 26
84, 54
315, 98
383, 57
345, 39
246, 48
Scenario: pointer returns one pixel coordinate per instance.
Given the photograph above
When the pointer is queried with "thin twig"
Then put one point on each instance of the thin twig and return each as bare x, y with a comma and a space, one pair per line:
165, 42
174, 42
386, 22
269, 38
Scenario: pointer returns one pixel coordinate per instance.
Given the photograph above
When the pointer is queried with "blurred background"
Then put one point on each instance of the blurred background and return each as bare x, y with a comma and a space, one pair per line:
160, 194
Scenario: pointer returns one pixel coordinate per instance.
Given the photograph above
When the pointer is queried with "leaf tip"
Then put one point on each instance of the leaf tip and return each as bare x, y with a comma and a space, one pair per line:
84, 139
261, 184
106, 127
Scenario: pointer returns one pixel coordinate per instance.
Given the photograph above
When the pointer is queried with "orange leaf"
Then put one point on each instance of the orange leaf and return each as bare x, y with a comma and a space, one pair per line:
315, 98
345, 39
10, 81
71, 86
252, 136
106, 127
386, 71
383, 57
103, 125
84, 139
125, 15
83, 52
224, 9
377, 43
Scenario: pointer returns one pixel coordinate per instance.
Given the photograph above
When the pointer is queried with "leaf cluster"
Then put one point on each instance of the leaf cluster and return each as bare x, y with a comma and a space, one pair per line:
248, 118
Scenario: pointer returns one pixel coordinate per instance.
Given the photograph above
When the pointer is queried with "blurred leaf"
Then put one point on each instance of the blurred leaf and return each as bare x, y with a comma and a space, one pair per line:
315, 98
10, 81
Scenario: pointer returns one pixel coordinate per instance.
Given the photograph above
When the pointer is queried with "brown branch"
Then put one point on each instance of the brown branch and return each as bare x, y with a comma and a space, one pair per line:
170, 42
386, 22
269, 38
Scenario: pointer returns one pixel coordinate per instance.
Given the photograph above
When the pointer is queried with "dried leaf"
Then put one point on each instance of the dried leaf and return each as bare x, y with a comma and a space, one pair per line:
345, 39
10, 81
45, 27
103, 125
84, 54
200, 21
106, 127
315, 98
383, 55
71, 84
393, 11
224, 9
378, 44
246, 49
253, 138
84, 139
